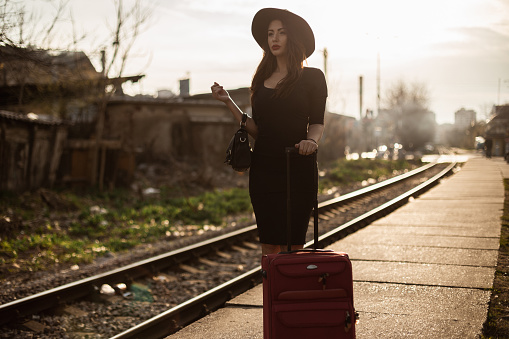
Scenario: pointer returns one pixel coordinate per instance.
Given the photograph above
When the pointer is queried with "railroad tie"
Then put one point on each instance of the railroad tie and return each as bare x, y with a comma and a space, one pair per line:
190, 269
250, 245
208, 262
223, 255
240, 249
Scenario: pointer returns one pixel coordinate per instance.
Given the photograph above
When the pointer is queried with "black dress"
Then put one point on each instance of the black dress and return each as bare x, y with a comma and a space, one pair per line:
283, 122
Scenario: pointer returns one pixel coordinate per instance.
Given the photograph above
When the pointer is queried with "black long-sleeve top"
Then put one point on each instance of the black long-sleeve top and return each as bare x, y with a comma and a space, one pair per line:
283, 122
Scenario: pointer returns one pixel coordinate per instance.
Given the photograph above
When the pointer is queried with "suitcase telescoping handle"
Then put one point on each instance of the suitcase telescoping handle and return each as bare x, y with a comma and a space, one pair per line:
289, 151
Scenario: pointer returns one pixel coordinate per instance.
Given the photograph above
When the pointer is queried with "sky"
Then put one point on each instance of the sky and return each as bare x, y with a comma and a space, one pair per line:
457, 49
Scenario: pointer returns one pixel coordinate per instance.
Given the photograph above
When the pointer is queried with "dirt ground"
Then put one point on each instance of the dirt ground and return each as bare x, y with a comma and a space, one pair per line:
497, 324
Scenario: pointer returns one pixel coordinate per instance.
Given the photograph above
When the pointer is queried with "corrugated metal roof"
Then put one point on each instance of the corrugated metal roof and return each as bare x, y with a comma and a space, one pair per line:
32, 118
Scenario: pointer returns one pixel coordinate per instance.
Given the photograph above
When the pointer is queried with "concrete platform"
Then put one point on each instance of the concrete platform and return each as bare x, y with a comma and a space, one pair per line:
424, 271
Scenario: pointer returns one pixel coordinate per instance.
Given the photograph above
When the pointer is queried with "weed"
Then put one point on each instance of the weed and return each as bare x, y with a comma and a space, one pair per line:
100, 222
345, 172
497, 323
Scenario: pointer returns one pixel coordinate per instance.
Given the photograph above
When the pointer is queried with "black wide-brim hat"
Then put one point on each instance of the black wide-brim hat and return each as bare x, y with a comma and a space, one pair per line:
299, 27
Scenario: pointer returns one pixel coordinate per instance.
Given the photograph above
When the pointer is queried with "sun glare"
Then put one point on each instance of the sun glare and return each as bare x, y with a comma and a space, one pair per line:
399, 28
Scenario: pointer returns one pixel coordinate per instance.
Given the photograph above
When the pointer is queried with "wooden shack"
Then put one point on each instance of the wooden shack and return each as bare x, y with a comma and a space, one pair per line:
30, 150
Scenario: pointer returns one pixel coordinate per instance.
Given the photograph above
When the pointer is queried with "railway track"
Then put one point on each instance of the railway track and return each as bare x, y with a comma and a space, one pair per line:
213, 271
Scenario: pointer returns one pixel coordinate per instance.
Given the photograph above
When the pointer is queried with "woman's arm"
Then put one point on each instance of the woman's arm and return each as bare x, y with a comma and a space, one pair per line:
219, 93
310, 145
315, 132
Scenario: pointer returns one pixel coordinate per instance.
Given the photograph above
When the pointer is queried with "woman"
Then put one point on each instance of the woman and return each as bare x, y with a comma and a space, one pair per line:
288, 104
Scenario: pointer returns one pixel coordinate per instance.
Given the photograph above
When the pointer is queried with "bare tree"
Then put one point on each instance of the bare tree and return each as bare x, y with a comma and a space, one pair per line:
25, 33
27, 42
21, 36
408, 105
400, 94
21, 29
485, 111
127, 28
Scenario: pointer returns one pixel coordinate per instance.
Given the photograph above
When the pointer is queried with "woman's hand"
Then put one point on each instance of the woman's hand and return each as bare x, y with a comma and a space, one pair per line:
219, 93
306, 147
310, 144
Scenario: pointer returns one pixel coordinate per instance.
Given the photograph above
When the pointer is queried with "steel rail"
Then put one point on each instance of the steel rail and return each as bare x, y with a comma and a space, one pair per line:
347, 198
380, 211
53, 297
182, 315
56, 296
179, 316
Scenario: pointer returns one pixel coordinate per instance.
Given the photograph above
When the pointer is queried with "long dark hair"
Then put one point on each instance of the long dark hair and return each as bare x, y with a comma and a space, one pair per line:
295, 56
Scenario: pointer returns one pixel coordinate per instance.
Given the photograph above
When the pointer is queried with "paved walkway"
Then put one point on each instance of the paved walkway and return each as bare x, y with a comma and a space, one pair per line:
424, 271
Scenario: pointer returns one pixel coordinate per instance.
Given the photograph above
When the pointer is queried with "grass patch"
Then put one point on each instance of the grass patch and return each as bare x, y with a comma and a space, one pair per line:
344, 172
497, 323
47, 228
95, 223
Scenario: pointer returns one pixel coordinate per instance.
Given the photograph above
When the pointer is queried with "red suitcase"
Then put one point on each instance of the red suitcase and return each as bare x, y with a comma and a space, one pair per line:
307, 293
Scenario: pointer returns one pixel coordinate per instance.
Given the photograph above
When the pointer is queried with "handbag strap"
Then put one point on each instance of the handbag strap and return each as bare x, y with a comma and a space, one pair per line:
244, 120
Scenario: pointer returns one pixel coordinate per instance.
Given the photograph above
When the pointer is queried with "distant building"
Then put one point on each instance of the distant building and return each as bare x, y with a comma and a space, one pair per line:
411, 127
386, 126
464, 118
184, 88
497, 130
337, 136
443, 134
165, 94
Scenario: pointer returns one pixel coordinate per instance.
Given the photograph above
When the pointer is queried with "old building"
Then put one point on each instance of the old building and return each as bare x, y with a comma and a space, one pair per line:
143, 129
337, 137
51, 83
63, 85
497, 129
99, 136
30, 150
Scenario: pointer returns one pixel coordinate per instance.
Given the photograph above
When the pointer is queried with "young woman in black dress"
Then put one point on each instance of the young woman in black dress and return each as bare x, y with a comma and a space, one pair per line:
288, 105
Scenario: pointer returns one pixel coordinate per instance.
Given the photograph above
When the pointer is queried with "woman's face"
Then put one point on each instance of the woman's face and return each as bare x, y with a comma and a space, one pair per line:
277, 38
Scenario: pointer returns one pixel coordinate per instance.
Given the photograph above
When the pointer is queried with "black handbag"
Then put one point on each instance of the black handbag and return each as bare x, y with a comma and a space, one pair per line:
238, 153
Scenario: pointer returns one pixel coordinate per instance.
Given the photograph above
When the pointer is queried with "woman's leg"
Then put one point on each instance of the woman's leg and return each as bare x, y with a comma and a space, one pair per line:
294, 247
270, 249
274, 249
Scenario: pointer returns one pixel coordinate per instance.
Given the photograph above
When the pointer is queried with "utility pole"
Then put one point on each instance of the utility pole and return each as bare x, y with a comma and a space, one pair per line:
360, 97
325, 56
325, 61
498, 98
378, 83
